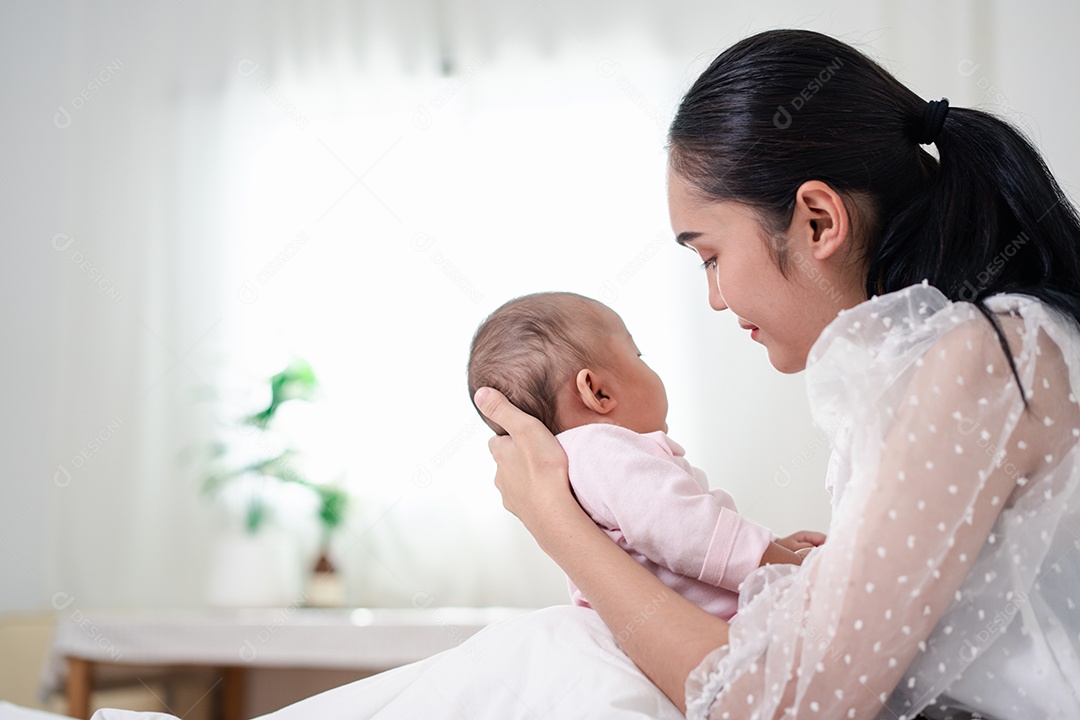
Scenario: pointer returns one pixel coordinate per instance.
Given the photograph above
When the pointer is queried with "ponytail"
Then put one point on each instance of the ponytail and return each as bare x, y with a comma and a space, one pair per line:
991, 219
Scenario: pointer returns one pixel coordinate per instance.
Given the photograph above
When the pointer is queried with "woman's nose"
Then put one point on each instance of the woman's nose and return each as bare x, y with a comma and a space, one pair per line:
716, 298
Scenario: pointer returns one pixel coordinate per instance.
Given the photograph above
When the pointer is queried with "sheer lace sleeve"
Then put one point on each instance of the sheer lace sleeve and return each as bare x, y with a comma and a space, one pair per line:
950, 502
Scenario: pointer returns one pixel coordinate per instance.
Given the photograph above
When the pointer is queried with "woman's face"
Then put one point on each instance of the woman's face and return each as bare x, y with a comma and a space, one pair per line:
785, 314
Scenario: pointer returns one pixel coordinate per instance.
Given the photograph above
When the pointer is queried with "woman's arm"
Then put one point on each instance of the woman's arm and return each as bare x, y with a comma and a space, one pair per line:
664, 634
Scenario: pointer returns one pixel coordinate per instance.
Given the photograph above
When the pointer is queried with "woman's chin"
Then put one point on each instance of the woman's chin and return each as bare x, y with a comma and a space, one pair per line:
786, 362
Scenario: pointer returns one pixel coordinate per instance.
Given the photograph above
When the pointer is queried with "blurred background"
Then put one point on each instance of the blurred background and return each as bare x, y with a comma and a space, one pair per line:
194, 194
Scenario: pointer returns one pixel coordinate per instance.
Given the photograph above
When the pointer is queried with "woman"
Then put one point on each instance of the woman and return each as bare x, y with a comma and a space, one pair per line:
935, 306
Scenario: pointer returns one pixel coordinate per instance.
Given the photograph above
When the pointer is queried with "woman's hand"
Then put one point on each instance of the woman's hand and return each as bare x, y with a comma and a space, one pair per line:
531, 475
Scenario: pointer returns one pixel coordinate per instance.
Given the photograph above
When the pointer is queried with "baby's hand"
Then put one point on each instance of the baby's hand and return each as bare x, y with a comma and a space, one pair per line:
802, 540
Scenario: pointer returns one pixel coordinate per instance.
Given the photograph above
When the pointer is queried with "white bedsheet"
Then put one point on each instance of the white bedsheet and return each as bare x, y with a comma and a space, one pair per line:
559, 662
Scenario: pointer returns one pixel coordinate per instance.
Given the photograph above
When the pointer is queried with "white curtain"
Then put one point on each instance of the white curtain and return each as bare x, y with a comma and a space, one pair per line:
198, 191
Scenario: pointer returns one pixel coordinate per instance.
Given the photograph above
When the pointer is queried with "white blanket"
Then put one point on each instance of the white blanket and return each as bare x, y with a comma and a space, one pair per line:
559, 662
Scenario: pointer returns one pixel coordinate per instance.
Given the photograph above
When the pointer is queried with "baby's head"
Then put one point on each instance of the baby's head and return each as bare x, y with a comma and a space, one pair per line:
567, 360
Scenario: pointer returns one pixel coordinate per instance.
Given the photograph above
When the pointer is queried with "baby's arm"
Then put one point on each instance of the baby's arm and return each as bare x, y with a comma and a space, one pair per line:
630, 483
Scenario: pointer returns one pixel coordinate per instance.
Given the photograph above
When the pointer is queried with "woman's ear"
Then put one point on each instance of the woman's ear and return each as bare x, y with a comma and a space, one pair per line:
594, 393
820, 221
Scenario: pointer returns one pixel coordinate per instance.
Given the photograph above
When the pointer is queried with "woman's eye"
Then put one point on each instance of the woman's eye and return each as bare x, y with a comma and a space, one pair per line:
708, 264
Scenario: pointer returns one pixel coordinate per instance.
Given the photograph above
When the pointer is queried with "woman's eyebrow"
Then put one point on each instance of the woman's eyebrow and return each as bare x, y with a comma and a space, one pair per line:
685, 237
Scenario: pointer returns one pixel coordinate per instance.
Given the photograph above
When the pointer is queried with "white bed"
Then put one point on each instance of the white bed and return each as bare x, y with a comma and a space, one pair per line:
559, 662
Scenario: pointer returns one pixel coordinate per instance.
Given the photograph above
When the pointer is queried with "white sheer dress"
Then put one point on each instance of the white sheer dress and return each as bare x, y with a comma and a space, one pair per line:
950, 583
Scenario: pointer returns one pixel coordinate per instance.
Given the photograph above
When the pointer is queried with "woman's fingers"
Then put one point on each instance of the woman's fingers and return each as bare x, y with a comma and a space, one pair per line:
494, 406
531, 462
529, 442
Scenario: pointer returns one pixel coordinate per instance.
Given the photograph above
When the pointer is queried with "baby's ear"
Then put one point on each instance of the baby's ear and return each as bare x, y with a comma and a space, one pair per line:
594, 391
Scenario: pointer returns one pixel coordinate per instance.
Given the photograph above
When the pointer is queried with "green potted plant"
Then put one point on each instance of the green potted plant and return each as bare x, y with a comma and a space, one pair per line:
259, 473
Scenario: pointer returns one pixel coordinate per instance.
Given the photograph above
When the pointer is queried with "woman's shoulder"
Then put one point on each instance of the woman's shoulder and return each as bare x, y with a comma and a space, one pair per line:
919, 321
869, 354
884, 322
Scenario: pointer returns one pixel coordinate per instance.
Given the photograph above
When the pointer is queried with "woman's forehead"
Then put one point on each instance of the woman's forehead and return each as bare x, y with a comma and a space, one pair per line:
694, 217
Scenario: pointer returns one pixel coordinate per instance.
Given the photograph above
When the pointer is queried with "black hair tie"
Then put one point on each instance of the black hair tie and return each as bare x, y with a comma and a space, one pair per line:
933, 118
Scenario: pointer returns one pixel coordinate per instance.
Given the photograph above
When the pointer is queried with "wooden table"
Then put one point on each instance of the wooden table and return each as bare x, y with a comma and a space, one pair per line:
233, 641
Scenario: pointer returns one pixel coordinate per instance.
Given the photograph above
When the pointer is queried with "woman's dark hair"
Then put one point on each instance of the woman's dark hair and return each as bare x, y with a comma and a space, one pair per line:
787, 106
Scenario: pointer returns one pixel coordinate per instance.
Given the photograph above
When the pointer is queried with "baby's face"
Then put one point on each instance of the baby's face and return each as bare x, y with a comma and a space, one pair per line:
642, 401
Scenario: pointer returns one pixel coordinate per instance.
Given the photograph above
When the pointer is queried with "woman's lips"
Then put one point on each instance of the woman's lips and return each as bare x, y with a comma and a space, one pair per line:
752, 328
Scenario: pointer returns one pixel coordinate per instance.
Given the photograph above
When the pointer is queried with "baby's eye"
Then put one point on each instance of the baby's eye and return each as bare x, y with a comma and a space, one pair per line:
708, 264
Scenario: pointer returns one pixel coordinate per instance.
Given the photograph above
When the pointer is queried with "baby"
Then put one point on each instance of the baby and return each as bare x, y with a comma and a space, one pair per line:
570, 361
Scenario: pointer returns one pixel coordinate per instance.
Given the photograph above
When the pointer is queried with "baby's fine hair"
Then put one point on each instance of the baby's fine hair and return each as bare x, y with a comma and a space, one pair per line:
533, 347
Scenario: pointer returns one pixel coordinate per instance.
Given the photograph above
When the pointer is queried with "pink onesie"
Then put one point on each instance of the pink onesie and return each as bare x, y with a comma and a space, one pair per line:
644, 494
